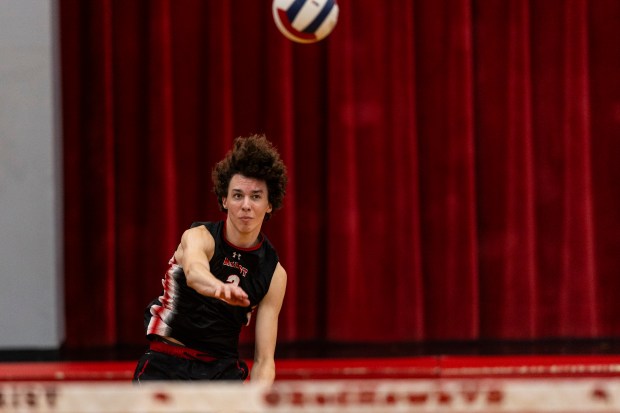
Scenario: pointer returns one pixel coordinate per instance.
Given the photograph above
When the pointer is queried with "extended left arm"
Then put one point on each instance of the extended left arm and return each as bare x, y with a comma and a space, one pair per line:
264, 368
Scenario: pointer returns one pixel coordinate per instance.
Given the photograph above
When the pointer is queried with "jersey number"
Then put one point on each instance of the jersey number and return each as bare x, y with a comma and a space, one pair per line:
233, 279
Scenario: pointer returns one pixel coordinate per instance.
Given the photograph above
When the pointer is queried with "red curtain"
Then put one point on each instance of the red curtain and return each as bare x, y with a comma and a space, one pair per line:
454, 164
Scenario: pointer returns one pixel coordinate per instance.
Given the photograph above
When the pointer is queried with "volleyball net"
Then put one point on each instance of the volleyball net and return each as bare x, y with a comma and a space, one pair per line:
494, 395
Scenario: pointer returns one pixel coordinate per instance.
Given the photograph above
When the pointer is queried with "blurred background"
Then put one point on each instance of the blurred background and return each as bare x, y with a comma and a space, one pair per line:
453, 164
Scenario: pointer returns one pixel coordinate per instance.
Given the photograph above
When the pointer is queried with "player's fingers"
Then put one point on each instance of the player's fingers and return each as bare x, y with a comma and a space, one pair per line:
240, 293
242, 301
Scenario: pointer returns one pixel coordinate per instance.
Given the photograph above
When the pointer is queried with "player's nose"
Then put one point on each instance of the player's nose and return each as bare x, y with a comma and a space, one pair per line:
246, 203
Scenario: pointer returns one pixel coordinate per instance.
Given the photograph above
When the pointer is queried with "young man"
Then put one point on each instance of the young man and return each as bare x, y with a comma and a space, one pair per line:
220, 272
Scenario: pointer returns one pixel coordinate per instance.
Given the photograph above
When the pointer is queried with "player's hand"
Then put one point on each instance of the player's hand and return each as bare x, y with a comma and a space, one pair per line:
231, 294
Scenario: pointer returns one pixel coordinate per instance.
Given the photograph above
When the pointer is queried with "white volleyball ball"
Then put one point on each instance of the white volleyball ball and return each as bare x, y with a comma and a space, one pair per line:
305, 21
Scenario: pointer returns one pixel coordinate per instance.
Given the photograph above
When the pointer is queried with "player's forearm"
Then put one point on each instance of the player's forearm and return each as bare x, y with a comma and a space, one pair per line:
263, 372
199, 278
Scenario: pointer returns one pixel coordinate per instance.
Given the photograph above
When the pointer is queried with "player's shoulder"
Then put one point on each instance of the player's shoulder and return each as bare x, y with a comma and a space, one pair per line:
279, 271
198, 234
199, 229
268, 247
210, 225
278, 282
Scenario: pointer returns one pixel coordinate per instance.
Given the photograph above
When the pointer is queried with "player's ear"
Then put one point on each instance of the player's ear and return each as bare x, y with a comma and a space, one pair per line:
269, 209
224, 199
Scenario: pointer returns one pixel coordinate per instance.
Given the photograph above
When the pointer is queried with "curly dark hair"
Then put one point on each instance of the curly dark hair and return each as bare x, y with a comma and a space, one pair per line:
253, 157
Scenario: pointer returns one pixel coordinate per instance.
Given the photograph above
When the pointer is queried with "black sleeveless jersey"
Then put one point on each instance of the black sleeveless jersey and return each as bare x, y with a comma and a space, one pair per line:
204, 323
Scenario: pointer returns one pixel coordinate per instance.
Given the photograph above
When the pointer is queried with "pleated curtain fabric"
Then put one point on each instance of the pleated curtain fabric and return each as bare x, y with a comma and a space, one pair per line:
453, 164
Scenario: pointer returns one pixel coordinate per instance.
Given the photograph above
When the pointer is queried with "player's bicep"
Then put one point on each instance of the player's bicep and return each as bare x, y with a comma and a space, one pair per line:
195, 249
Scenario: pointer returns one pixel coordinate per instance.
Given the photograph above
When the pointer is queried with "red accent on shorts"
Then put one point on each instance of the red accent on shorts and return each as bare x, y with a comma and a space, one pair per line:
146, 363
180, 351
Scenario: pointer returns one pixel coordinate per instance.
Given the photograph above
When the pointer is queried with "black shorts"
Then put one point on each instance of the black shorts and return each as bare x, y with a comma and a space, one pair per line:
154, 365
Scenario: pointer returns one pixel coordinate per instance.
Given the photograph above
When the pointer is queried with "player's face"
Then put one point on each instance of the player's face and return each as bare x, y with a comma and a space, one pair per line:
247, 203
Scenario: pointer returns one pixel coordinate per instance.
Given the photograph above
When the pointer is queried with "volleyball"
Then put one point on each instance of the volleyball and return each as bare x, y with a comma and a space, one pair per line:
305, 21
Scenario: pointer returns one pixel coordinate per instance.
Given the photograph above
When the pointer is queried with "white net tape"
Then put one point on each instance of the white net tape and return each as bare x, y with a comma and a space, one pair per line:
378, 396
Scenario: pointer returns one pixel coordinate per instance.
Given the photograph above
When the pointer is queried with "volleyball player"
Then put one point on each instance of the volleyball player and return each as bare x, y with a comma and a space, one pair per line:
219, 275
